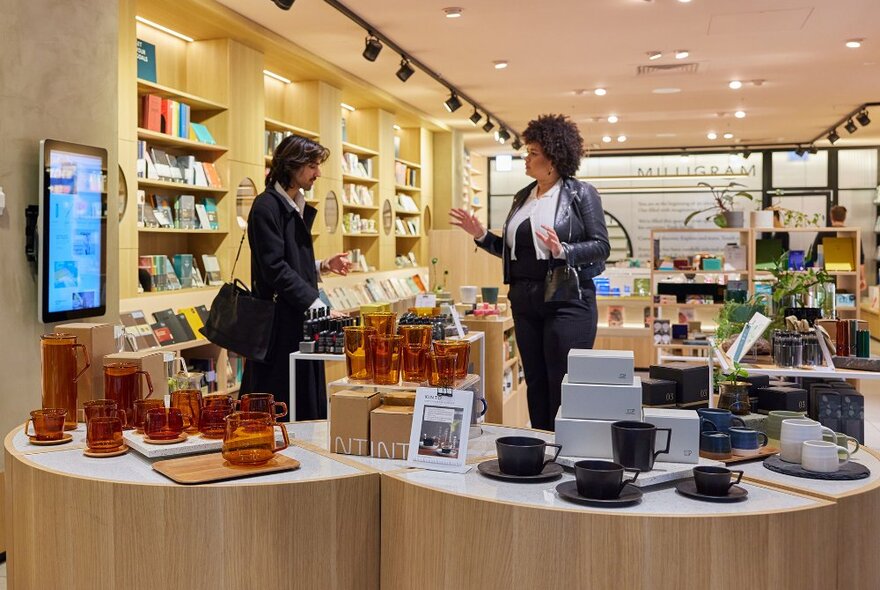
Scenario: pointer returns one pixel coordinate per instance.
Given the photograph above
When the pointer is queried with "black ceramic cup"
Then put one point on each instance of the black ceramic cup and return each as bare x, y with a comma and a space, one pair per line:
716, 444
523, 455
633, 443
715, 481
601, 480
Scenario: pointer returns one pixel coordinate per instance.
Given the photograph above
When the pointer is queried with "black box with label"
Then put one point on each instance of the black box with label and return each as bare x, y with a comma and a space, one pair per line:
756, 382
792, 399
658, 392
852, 414
691, 381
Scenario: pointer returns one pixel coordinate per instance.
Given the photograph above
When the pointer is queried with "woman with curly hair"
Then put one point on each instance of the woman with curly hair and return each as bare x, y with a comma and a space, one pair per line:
554, 221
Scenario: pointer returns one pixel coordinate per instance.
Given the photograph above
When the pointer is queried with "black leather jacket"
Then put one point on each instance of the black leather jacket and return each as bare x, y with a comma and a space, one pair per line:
578, 211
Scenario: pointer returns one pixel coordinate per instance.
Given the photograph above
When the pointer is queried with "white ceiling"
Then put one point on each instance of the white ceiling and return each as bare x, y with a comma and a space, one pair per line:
558, 46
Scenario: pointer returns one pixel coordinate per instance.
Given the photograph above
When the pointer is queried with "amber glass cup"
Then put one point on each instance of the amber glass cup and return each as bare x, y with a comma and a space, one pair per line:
212, 422
385, 322
442, 369
59, 373
99, 408
262, 402
122, 382
163, 423
386, 359
218, 400
462, 351
141, 407
48, 424
103, 434
189, 402
419, 334
249, 438
415, 363
358, 355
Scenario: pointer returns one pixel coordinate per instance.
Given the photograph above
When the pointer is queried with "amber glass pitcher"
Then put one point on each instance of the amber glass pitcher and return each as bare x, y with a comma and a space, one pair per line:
59, 373
186, 395
122, 383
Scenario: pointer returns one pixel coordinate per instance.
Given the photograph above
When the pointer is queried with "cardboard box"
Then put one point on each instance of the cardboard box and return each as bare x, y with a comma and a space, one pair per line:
782, 398
399, 398
390, 427
610, 367
350, 421
99, 340
684, 447
658, 392
151, 361
584, 438
592, 401
691, 379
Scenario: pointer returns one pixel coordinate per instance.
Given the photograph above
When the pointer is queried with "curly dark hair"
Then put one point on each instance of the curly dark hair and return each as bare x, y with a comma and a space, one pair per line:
560, 140
293, 153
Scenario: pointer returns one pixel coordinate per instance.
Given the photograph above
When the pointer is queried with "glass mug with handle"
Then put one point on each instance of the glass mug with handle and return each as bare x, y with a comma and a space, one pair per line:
122, 383
186, 395
250, 438
48, 424
261, 402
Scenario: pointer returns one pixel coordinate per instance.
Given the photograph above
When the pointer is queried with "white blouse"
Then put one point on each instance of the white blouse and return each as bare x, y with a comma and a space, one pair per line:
540, 212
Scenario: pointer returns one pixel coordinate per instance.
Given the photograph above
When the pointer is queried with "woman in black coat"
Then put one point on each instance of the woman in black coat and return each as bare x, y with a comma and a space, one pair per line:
556, 220
283, 268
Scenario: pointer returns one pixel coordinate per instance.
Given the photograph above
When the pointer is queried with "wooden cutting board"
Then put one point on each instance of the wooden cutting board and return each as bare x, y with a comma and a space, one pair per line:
213, 467
734, 459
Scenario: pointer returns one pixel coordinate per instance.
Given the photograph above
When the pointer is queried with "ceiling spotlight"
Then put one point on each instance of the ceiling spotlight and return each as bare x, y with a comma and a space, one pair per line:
735, 84
850, 126
613, 119
800, 151
600, 92
405, 71
372, 48
854, 43
452, 103
488, 125
685, 1
728, 135
684, 157
758, 82
606, 139
452, 12
500, 64
475, 118
813, 149
833, 136
503, 135
712, 135
621, 138
652, 55
863, 119
517, 144
740, 114
284, 4
681, 53
746, 153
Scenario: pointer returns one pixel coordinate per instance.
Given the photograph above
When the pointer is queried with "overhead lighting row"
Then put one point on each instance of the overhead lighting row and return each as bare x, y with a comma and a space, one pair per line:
850, 126
678, 54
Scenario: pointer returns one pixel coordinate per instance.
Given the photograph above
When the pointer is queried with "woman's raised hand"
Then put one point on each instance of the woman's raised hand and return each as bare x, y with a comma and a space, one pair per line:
466, 221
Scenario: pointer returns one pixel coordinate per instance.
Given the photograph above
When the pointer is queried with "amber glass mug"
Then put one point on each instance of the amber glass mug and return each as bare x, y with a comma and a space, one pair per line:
442, 369
48, 424
358, 354
104, 434
262, 402
163, 423
415, 362
386, 359
141, 407
462, 351
99, 408
417, 334
385, 322
250, 438
122, 383
186, 395
59, 374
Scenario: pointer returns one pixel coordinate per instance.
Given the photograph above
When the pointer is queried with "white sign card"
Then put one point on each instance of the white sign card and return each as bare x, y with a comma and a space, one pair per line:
456, 319
440, 429
426, 300
752, 331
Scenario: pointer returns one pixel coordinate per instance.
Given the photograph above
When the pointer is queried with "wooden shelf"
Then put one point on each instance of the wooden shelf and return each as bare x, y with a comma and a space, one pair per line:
174, 230
197, 103
701, 272
405, 213
710, 230
804, 229
276, 125
358, 179
357, 149
407, 188
361, 207
408, 163
630, 299
834, 273
180, 186
399, 237
178, 291
188, 345
361, 235
163, 139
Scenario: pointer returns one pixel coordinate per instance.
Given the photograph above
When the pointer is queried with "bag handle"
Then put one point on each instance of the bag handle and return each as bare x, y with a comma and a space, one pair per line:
237, 254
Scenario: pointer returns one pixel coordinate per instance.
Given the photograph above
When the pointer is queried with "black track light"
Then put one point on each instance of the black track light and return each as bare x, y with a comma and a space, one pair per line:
850, 126
372, 48
800, 151
489, 125
813, 149
405, 71
453, 103
284, 4
517, 144
746, 153
863, 119
503, 135
475, 118
833, 136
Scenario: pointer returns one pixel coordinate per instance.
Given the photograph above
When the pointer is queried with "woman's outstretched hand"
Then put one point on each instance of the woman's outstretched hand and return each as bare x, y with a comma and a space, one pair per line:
467, 221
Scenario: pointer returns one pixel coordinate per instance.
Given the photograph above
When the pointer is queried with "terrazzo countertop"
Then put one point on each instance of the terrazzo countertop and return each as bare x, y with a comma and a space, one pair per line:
22, 444
756, 470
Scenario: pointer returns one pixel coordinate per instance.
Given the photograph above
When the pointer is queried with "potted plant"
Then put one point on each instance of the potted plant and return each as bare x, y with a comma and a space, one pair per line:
721, 212
734, 391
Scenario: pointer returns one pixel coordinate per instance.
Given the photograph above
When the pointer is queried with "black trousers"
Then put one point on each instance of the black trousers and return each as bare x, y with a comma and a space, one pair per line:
545, 332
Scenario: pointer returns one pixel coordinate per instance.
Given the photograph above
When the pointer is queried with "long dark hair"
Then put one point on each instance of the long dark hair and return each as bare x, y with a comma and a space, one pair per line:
293, 153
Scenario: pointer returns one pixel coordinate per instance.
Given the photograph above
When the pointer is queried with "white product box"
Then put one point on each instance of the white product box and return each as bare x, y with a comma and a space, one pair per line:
584, 438
611, 367
591, 401
685, 424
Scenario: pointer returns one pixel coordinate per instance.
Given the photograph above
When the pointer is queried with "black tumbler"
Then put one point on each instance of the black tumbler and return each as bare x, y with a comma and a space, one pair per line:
632, 444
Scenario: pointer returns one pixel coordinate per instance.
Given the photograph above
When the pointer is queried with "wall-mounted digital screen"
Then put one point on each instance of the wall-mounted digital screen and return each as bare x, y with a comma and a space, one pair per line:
73, 228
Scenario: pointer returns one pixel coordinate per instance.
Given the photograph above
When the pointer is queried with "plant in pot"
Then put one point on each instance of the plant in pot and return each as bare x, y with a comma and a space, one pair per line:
721, 212
734, 392
794, 289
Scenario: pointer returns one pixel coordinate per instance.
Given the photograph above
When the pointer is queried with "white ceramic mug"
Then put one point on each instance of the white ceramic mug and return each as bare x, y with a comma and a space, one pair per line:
468, 294
821, 456
794, 432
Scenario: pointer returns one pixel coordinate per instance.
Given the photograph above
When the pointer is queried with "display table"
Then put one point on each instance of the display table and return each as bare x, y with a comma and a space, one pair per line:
116, 523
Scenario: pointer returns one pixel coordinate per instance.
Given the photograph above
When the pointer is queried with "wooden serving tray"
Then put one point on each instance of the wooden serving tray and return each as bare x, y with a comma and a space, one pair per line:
734, 459
213, 467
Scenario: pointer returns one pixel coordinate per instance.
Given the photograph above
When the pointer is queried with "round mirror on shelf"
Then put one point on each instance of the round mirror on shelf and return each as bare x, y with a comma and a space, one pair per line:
123, 193
427, 221
331, 212
244, 200
387, 217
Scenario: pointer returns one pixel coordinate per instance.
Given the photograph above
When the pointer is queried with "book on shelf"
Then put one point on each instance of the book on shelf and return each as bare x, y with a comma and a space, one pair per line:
200, 132
171, 280
162, 333
191, 316
399, 227
162, 211
173, 323
136, 325
151, 112
406, 203
160, 160
197, 281
418, 281
174, 168
202, 215
271, 139
212, 270
183, 266
615, 316
141, 203
838, 254
185, 212
212, 175
146, 61
203, 312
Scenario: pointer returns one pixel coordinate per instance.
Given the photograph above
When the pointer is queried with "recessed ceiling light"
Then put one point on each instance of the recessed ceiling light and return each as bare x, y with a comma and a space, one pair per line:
735, 85
685, 1
854, 43
500, 64
347, 107
452, 12
740, 114
606, 138
712, 135
728, 135
681, 53
621, 138
666, 90
652, 55
396, 127
600, 92
613, 119
164, 29
276, 76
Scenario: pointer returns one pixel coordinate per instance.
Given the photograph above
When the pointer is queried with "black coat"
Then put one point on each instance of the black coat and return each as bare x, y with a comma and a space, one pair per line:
586, 249
283, 268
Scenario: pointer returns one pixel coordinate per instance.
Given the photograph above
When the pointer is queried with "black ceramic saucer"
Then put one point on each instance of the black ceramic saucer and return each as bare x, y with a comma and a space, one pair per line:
689, 488
490, 469
630, 495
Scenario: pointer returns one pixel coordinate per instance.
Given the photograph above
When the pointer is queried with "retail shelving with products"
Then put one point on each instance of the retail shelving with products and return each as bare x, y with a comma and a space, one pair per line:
408, 230
473, 194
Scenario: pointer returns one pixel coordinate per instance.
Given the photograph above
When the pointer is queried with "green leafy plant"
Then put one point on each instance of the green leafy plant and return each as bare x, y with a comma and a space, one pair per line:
792, 286
737, 374
733, 315
799, 218
723, 197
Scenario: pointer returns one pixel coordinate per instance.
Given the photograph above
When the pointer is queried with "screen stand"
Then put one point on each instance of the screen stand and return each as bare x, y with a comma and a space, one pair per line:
31, 213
